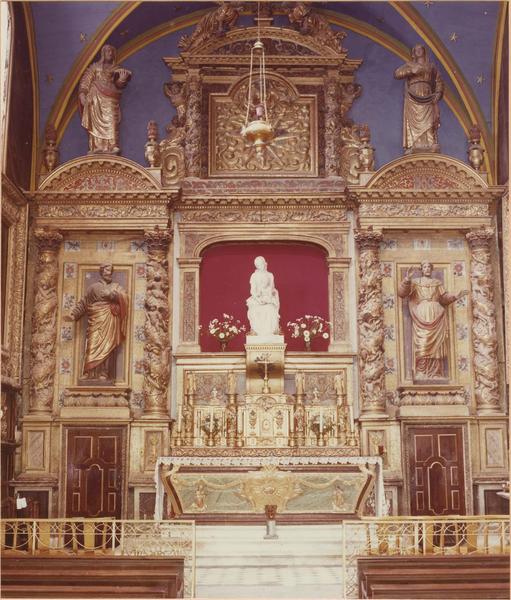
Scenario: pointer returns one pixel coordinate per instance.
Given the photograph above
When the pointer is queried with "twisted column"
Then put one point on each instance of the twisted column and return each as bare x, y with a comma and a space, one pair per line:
193, 125
44, 322
370, 323
157, 311
484, 325
332, 126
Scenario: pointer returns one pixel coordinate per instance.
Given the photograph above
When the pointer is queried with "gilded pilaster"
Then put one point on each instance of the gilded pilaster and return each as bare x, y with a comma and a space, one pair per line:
44, 321
193, 125
157, 345
370, 321
484, 325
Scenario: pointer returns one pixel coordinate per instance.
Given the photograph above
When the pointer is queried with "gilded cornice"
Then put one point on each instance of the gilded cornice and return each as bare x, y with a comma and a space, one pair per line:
10, 191
63, 198
433, 196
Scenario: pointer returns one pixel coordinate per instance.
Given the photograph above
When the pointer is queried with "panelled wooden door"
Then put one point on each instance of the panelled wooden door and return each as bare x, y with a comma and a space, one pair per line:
436, 471
94, 472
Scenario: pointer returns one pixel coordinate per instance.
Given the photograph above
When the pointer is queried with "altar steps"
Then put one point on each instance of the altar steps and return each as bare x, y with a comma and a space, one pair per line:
237, 562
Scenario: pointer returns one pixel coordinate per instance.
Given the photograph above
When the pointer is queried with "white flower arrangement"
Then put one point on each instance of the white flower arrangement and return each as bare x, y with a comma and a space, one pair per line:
225, 330
308, 327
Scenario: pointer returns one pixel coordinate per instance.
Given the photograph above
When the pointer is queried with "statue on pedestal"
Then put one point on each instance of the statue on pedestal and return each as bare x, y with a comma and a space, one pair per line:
106, 306
263, 304
424, 90
99, 97
427, 302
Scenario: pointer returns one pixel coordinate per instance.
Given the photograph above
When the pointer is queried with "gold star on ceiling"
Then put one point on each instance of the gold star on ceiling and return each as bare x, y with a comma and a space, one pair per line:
49, 78
428, 3
83, 37
454, 37
124, 32
480, 79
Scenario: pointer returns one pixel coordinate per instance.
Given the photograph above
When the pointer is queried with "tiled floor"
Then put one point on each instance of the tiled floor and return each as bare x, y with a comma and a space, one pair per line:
237, 562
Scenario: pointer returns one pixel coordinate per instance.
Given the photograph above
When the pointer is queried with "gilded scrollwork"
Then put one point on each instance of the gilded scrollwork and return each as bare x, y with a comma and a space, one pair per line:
157, 344
339, 305
214, 24
193, 125
370, 322
484, 325
44, 321
291, 150
332, 126
307, 21
189, 306
423, 210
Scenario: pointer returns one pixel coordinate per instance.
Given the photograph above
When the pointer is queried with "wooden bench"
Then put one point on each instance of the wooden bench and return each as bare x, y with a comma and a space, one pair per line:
434, 577
92, 577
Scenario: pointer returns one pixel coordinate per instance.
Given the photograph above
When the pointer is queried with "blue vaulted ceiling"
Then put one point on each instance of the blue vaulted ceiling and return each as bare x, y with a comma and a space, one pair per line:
66, 31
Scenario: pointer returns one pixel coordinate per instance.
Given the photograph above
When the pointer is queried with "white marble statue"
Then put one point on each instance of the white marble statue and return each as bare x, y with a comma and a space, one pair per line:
263, 304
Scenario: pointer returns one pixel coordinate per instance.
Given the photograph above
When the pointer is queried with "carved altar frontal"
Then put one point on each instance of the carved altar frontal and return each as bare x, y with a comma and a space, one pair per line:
305, 488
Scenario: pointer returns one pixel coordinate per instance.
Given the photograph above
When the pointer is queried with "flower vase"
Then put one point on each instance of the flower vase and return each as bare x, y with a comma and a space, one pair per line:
308, 345
223, 346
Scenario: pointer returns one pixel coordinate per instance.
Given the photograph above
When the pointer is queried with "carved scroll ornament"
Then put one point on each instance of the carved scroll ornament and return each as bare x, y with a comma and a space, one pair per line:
370, 322
484, 325
157, 344
44, 321
291, 149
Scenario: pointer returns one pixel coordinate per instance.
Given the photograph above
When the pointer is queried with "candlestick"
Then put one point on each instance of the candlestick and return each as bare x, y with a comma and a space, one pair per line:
321, 420
211, 419
350, 413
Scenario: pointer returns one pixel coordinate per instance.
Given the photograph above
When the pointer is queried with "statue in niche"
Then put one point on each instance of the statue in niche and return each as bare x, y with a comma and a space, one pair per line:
99, 97
423, 91
106, 306
263, 304
427, 301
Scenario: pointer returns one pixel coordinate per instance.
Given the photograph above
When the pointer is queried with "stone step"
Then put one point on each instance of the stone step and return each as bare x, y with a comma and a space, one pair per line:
314, 592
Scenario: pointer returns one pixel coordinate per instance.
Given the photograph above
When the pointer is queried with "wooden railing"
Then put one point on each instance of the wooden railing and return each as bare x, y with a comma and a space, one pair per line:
103, 537
415, 536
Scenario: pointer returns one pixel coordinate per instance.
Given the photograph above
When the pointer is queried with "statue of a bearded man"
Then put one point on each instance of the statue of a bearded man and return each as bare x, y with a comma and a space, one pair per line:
99, 97
106, 305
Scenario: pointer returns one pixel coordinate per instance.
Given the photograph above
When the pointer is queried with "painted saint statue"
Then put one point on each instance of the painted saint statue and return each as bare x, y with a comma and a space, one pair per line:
427, 301
424, 90
263, 304
106, 306
99, 97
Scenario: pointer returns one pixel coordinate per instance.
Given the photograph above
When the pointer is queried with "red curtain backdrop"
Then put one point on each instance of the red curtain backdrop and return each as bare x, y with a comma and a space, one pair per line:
301, 277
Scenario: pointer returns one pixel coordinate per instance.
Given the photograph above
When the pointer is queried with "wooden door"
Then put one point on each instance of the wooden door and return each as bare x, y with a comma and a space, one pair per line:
94, 472
436, 471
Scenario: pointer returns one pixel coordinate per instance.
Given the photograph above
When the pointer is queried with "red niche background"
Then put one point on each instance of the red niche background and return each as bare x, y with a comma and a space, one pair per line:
301, 278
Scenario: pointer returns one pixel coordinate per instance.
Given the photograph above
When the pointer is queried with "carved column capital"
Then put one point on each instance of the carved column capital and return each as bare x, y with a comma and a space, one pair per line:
157, 345
48, 240
44, 321
370, 323
157, 240
368, 239
484, 323
480, 238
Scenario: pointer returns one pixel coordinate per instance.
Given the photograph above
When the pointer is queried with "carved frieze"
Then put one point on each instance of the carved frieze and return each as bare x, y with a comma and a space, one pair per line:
413, 396
84, 396
263, 215
102, 211
425, 210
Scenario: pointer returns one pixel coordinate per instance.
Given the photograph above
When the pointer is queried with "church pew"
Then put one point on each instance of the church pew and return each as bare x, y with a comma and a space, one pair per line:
86, 577
483, 576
